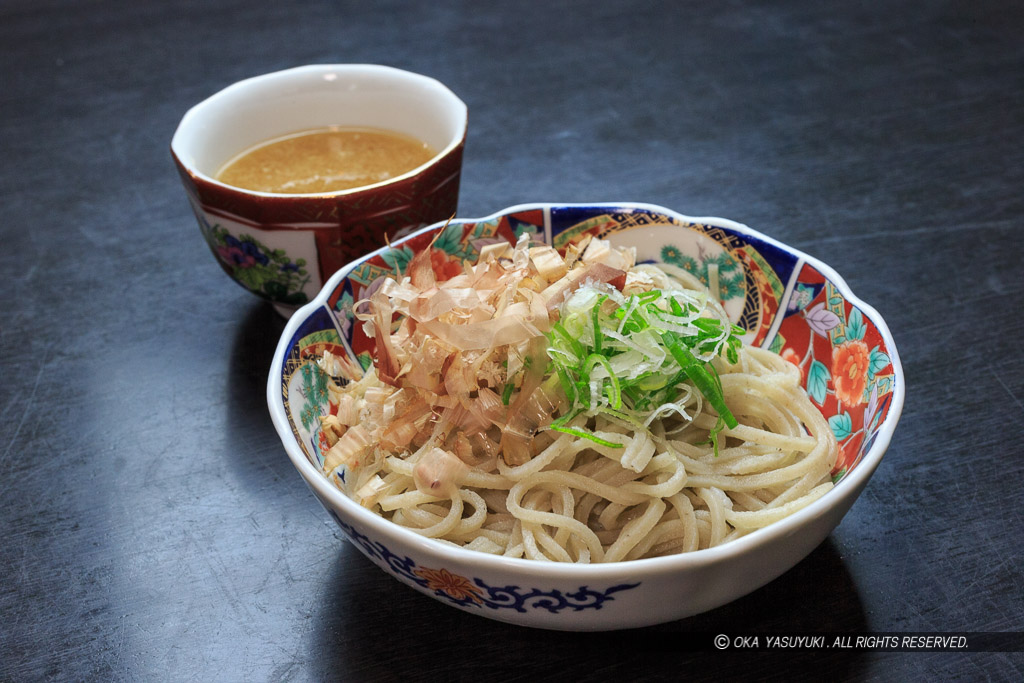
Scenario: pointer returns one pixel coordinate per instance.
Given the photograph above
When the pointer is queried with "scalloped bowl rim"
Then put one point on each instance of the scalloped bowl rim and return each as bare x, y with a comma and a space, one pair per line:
850, 485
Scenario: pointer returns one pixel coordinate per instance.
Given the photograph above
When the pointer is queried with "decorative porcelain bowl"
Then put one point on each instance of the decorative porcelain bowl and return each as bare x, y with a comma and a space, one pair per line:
282, 247
786, 301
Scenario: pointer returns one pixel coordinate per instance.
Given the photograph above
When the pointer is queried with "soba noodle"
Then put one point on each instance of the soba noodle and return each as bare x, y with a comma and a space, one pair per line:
604, 491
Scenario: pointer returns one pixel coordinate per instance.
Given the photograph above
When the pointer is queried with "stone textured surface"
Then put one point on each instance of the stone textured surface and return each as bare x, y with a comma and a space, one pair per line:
151, 527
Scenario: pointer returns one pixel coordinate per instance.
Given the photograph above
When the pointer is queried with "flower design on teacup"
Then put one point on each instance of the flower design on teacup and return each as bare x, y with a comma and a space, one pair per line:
241, 254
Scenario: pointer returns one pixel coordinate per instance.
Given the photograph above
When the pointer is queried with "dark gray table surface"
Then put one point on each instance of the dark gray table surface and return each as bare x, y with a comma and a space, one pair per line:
151, 526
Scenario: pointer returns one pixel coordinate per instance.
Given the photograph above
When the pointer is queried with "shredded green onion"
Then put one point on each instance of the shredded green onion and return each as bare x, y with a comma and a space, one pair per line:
587, 435
670, 344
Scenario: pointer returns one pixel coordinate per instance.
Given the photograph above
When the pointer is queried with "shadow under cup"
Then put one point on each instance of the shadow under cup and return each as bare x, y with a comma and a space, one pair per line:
283, 247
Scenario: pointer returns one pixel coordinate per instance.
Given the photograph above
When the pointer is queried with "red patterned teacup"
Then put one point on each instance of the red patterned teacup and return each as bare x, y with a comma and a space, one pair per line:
283, 247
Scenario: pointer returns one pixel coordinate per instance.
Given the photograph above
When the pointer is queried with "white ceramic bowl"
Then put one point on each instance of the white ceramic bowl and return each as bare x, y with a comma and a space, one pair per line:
787, 301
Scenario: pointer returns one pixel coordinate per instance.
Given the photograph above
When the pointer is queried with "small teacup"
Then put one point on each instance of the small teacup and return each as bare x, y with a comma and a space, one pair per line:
283, 247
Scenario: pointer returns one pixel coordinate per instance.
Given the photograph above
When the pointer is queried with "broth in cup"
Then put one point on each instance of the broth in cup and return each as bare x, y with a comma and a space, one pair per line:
325, 160
283, 245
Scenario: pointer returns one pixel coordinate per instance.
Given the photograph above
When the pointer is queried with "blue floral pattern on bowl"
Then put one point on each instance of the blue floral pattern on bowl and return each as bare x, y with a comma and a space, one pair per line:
465, 592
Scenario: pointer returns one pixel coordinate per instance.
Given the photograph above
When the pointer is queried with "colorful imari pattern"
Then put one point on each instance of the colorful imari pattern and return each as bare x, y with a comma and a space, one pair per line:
369, 216
784, 304
468, 592
843, 362
267, 272
305, 385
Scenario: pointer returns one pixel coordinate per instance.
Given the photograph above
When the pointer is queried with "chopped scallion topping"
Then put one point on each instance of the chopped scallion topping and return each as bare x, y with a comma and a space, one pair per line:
668, 342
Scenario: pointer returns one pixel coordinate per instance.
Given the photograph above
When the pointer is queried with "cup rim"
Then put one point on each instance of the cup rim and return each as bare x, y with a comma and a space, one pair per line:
190, 116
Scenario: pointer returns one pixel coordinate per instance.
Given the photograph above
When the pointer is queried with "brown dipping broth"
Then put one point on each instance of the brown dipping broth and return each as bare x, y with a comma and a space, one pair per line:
325, 160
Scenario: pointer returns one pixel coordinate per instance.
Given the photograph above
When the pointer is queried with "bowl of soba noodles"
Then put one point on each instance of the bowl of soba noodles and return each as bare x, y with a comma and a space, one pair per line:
586, 416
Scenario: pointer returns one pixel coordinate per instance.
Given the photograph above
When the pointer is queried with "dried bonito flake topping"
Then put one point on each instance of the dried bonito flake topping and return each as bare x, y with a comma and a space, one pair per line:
461, 364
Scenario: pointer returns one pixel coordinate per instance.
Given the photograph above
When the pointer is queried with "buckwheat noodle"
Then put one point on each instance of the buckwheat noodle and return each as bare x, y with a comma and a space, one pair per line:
662, 492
